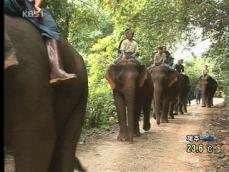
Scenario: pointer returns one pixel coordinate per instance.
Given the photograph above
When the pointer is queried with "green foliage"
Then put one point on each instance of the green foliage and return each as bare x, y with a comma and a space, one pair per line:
80, 22
194, 69
100, 105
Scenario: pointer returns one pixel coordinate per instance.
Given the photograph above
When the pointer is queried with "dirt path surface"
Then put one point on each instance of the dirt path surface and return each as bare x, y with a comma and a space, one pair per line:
162, 149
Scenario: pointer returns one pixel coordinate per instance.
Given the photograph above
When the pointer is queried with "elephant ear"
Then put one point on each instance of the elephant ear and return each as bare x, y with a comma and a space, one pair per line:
10, 58
174, 77
110, 76
143, 75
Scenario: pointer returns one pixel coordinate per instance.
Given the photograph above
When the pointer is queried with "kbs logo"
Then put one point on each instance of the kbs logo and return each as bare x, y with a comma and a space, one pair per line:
32, 13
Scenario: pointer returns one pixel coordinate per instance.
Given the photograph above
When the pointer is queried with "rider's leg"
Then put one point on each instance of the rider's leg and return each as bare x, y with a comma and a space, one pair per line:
135, 58
10, 54
118, 58
57, 73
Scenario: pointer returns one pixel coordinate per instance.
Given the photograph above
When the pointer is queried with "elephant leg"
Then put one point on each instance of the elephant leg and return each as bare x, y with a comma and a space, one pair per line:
30, 124
203, 101
33, 141
146, 111
212, 101
209, 101
32, 153
180, 105
171, 106
180, 108
153, 104
185, 108
165, 110
136, 120
64, 158
121, 111
78, 166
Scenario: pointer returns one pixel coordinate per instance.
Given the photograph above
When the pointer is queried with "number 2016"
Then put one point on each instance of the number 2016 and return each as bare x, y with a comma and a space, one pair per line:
193, 148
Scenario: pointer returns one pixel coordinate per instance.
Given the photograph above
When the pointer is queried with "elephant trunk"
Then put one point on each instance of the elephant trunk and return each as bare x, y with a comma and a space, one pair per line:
158, 102
130, 101
203, 95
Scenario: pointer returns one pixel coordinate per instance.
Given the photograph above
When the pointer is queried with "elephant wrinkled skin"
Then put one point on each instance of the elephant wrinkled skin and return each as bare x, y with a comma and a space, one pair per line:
42, 122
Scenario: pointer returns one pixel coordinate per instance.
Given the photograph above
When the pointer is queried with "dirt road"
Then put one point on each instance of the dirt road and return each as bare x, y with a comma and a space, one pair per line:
162, 149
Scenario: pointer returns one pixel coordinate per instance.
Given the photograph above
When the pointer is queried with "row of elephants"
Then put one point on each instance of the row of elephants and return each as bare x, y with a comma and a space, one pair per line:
42, 123
135, 88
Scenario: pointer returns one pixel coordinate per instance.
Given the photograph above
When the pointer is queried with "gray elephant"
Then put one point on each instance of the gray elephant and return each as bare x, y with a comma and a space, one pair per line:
183, 89
42, 122
132, 90
208, 87
166, 90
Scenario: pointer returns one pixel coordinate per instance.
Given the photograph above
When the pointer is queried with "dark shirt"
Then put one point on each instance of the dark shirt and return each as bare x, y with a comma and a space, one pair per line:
179, 68
197, 91
169, 59
167, 54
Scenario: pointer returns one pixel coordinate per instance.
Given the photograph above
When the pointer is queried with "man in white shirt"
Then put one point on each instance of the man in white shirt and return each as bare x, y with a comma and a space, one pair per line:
205, 71
129, 48
159, 57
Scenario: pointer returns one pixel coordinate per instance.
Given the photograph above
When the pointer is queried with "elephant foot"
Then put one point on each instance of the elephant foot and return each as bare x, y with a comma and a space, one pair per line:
175, 113
181, 113
154, 116
122, 137
158, 122
137, 134
164, 120
146, 126
171, 117
78, 166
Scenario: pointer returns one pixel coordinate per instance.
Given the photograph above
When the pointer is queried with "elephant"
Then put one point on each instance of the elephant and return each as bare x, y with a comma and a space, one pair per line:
208, 86
43, 122
184, 88
132, 90
165, 93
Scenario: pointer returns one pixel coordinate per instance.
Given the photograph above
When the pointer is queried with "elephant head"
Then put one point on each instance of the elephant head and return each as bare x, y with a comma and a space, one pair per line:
124, 80
164, 81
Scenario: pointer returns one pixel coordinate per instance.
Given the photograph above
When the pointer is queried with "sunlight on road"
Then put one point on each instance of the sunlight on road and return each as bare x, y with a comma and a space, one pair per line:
216, 101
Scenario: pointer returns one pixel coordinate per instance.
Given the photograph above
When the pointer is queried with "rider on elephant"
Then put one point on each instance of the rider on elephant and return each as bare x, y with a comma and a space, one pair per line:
179, 67
159, 58
120, 43
128, 48
169, 59
205, 71
43, 21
